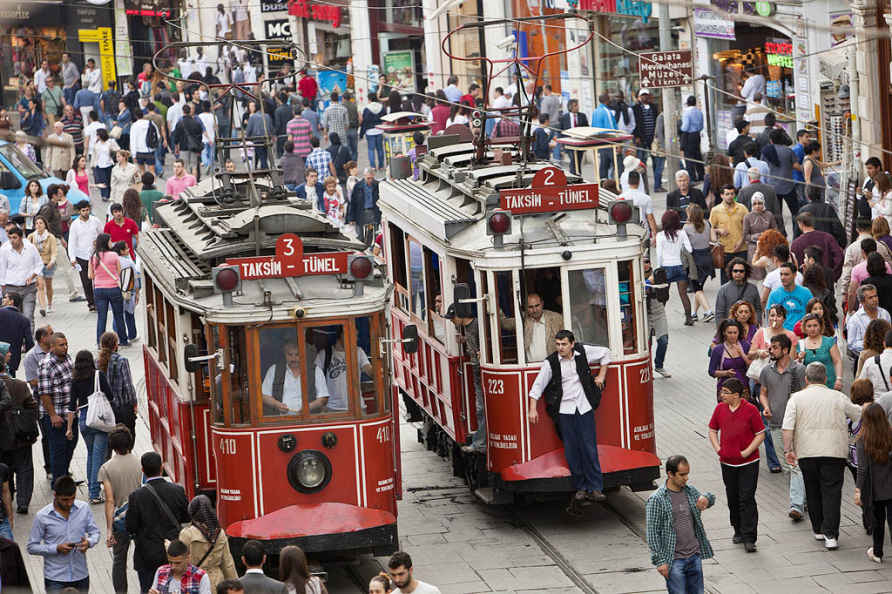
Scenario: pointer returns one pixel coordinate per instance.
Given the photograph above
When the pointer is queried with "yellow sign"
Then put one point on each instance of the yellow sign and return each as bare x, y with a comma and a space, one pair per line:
102, 36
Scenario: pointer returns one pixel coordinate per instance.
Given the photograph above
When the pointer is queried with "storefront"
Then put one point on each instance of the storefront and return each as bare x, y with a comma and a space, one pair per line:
397, 42
149, 32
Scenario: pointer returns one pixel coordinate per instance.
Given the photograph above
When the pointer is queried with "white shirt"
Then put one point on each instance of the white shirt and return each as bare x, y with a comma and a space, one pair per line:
17, 267
90, 131
857, 326
754, 84
772, 279
336, 377
101, 152
639, 199
537, 350
224, 21
669, 251
573, 396
174, 115
92, 79
81, 237
138, 133
420, 588
879, 374
40, 79
250, 73
207, 118
173, 584
291, 390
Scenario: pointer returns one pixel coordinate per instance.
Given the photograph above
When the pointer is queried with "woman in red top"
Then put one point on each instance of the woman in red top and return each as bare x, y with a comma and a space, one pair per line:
736, 430
440, 113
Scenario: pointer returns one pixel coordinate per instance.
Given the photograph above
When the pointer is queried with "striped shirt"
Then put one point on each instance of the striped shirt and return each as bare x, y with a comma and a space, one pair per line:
54, 379
75, 127
298, 131
336, 119
319, 160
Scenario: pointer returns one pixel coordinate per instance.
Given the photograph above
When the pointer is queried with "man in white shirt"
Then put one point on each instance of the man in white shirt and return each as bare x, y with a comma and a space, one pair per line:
878, 368
281, 386
856, 326
571, 397
332, 363
643, 202
539, 327
401, 574
90, 134
92, 77
81, 236
753, 85
20, 265
41, 75
174, 115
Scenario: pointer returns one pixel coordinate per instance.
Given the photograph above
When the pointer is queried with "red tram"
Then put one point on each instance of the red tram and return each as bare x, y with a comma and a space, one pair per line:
266, 382
456, 235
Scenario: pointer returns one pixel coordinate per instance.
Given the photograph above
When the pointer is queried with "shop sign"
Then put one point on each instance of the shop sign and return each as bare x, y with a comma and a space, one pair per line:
277, 29
102, 36
766, 9
399, 66
549, 192
660, 70
779, 54
290, 260
273, 5
710, 24
635, 8
316, 12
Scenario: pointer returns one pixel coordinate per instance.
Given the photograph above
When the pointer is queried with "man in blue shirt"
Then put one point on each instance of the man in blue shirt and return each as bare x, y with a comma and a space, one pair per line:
793, 297
602, 117
691, 127
363, 210
803, 137
61, 534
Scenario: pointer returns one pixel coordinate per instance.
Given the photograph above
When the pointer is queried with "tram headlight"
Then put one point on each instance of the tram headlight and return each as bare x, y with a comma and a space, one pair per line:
309, 471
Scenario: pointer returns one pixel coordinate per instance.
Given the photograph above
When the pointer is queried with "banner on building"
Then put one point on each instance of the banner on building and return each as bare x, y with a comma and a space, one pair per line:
102, 36
710, 24
123, 50
399, 67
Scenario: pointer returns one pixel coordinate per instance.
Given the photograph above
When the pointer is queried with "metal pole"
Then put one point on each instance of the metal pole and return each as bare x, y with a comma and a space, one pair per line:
854, 94
708, 113
670, 104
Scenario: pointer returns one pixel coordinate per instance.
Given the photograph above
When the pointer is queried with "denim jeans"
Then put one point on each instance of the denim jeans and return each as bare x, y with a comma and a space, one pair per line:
581, 450
130, 324
353, 143
261, 158
479, 440
376, 147
102, 175
97, 443
160, 152
110, 297
605, 162
207, 155
61, 448
685, 576
659, 163
662, 347
797, 484
6, 530
54, 586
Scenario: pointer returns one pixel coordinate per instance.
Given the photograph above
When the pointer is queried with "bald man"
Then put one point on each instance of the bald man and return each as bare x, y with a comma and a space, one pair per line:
539, 327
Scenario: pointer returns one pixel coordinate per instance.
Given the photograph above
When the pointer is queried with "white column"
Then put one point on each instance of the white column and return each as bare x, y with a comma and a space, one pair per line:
866, 106
437, 62
361, 44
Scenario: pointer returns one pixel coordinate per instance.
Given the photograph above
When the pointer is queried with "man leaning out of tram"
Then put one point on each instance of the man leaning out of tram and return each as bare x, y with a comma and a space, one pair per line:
539, 326
571, 397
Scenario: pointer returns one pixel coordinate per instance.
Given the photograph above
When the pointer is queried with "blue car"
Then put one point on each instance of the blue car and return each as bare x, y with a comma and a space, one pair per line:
17, 169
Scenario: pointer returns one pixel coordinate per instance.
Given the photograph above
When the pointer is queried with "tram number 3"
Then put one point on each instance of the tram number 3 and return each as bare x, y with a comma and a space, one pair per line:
495, 386
645, 374
289, 246
383, 434
228, 447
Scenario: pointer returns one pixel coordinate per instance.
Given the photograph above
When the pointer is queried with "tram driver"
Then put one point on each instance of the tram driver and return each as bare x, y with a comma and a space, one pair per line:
281, 387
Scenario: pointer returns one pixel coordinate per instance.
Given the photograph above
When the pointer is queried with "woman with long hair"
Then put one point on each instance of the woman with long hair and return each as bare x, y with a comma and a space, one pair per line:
104, 270
77, 176
873, 490
879, 230
83, 383
295, 572
743, 312
883, 206
718, 174
102, 151
440, 113
394, 102
698, 230
729, 358
31, 204
133, 208
458, 114
757, 222
45, 242
816, 306
823, 349
861, 394
814, 279
116, 368
874, 342
670, 243
207, 542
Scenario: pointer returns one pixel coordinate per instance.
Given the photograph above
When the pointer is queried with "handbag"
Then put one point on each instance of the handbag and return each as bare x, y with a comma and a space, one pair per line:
718, 256
116, 132
119, 520
754, 371
100, 415
126, 295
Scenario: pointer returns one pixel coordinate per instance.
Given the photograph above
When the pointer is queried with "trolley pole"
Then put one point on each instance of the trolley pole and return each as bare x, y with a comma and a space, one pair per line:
670, 104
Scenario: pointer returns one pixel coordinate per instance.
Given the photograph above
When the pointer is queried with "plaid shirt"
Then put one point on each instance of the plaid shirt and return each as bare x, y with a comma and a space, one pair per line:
661, 525
298, 130
123, 392
190, 583
319, 160
54, 378
336, 119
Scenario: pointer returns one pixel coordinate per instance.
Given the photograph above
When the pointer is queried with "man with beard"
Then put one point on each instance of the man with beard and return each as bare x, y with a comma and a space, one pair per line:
400, 570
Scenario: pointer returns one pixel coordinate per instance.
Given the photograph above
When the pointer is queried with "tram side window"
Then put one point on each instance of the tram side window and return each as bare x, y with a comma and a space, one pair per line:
398, 263
588, 306
280, 368
542, 308
172, 368
416, 280
327, 364
505, 307
150, 312
202, 381
436, 322
627, 306
159, 320
215, 376
235, 359
368, 363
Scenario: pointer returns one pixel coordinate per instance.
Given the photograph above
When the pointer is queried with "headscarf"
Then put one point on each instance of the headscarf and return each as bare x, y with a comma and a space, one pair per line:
201, 510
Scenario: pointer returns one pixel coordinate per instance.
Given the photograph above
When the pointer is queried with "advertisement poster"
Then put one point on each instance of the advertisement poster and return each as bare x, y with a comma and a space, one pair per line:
399, 67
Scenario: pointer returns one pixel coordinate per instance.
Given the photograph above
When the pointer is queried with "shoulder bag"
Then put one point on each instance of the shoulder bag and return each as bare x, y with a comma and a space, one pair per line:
125, 294
100, 415
174, 531
718, 256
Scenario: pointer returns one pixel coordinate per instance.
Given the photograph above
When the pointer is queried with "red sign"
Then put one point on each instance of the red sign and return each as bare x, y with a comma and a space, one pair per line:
549, 192
290, 260
316, 12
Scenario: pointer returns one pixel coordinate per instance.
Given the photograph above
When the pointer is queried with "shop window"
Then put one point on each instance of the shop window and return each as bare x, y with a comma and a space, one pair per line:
280, 367
588, 306
505, 306
328, 363
628, 315
618, 71
398, 265
151, 313
416, 280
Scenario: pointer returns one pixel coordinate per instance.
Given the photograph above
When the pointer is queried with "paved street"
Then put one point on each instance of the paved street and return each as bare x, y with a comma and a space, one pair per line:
463, 546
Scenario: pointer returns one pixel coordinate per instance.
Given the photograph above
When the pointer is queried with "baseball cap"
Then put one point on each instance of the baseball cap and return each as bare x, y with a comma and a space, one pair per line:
643, 92
450, 312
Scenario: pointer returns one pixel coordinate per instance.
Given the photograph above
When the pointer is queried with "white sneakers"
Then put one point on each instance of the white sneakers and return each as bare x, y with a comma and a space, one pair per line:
818, 536
831, 544
873, 557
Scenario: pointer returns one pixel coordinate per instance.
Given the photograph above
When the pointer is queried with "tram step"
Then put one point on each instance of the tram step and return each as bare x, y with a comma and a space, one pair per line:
490, 496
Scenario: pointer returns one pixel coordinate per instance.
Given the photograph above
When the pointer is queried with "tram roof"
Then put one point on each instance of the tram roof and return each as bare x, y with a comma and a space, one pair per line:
451, 199
205, 227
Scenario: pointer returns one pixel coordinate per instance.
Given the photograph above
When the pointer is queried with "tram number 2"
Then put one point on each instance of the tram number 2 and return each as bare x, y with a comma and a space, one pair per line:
384, 434
228, 447
645, 374
495, 386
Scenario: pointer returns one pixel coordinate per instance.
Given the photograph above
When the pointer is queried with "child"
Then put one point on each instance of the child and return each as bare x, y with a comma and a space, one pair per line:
352, 169
542, 143
335, 204
418, 139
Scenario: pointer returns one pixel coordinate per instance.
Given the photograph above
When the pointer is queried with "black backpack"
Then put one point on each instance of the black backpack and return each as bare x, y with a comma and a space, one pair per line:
152, 136
24, 424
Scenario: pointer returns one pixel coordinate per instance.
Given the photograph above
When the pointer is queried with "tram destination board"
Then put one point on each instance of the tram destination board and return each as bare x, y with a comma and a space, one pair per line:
660, 70
549, 192
290, 260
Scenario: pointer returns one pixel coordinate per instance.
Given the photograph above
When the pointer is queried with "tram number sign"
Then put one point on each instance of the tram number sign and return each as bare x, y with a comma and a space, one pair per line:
290, 260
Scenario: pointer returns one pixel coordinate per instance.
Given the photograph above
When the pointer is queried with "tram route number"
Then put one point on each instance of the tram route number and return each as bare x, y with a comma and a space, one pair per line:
495, 386
383, 435
645, 374
228, 446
